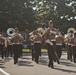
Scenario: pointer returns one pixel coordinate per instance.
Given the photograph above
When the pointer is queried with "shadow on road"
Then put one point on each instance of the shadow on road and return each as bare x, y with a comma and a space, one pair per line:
43, 61
2, 65
25, 63
65, 70
68, 64
24, 58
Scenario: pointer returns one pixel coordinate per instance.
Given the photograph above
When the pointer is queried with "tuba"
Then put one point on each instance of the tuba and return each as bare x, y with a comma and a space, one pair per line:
10, 32
69, 35
70, 30
41, 31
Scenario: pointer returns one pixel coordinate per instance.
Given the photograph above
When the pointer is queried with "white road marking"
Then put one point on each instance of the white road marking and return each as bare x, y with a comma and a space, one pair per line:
4, 72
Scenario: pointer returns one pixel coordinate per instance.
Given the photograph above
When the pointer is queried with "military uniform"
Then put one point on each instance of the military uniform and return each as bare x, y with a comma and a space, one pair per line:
3, 45
16, 46
74, 47
59, 40
37, 46
31, 40
50, 46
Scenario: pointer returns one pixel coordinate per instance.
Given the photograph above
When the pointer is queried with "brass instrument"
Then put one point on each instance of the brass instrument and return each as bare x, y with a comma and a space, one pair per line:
41, 31
36, 35
70, 30
70, 34
50, 36
13, 36
10, 32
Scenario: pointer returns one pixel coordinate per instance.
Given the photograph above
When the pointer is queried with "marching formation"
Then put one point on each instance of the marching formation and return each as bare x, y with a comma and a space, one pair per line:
11, 44
51, 38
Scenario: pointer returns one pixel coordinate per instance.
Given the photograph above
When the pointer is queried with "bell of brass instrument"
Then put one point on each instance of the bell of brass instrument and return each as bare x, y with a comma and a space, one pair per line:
10, 32
70, 30
69, 35
41, 31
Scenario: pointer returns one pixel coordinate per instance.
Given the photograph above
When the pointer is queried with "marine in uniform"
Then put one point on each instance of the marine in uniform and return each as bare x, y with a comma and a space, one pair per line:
59, 40
50, 44
37, 45
70, 35
31, 41
3, 45
74, 47
16, 43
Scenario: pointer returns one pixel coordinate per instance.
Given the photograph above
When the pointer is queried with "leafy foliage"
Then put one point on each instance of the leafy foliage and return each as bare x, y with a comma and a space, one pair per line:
36, 13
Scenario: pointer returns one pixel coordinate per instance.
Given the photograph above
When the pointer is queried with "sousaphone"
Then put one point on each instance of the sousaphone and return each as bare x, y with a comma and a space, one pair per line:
10, 32
71, 30
41, 31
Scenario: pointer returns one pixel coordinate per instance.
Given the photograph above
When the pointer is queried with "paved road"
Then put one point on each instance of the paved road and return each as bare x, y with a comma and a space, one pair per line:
26, 66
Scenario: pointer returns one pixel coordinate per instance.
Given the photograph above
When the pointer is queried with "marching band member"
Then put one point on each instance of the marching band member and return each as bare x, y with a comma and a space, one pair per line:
59, 40
9, 47
31, 40
50, 43
10, 33
5, 48
74, 47
16, 41
21, 48
70, 35
37, 45
3, 45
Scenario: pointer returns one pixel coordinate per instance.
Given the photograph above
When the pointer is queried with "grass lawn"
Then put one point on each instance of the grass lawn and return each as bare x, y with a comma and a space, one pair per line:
28, 50
42, 50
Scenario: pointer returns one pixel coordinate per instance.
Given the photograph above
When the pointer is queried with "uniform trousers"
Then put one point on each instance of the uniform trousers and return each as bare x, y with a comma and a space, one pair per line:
20, 50
37, 47
50, 55
74, 53
2, 50
32, 51
59, 50
9, 50
16, 52
69, 52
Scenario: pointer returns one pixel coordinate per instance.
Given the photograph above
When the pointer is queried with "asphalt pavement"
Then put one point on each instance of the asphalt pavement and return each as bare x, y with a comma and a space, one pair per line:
26, 66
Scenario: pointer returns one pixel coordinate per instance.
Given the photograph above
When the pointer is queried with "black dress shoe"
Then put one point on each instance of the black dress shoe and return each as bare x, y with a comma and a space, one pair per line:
32, 59
37, 62
52, 67
58, 62
48, 65
14, 62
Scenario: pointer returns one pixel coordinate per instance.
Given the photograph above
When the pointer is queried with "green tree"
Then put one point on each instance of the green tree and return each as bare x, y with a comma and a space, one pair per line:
16, 13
